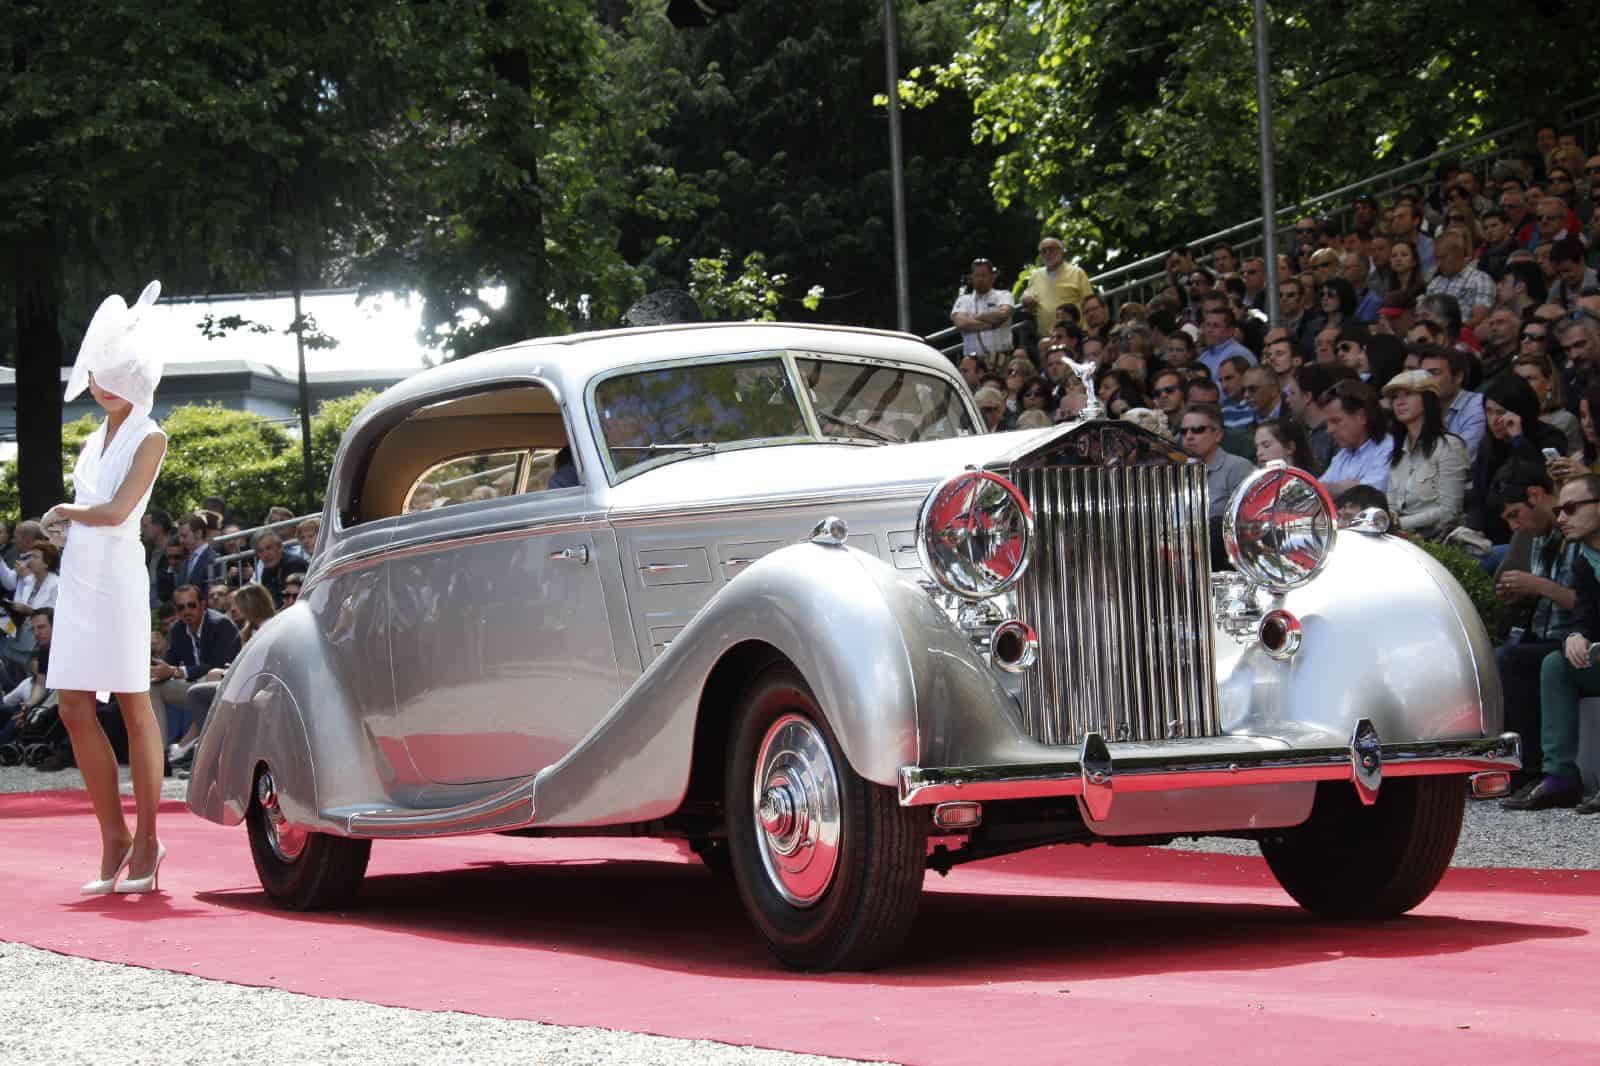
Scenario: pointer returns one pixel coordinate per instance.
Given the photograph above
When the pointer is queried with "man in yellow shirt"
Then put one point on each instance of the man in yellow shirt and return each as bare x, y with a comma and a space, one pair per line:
1057, 282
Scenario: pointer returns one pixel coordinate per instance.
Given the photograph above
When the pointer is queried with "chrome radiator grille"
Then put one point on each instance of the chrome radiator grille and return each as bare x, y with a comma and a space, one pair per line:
1119, 592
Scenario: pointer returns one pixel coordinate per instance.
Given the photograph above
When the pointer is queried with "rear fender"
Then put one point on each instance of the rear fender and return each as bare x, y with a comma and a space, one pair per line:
320, 756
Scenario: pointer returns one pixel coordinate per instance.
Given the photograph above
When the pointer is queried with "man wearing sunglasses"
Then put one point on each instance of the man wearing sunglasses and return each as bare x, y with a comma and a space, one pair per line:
1200, 433
1573, 672
1166, 392
1541, 593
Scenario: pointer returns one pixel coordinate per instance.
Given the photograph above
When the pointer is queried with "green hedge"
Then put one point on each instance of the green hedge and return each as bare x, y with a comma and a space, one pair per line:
1471, 576
216, 451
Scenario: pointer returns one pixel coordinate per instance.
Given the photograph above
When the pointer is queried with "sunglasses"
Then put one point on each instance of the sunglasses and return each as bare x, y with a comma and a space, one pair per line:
1305, 231
1188, 431
1570, 509
1167, 390
1532, 336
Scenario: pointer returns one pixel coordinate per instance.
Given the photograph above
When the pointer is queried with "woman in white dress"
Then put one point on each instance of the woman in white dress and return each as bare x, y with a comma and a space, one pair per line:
101, 641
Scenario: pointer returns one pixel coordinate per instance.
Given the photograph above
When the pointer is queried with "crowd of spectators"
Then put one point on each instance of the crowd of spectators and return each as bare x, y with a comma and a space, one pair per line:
211, 588
1436, 356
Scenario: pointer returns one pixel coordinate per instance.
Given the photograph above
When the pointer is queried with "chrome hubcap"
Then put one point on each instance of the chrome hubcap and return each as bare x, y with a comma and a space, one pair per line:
796, 801
286, 841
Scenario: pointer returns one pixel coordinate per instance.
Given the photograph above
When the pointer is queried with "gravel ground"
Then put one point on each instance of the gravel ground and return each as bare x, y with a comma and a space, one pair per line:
124, 1014
135, 1011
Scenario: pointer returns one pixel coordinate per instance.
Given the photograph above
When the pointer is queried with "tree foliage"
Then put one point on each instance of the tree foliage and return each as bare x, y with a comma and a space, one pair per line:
753, 293
215, 451
774, 144
1131, 124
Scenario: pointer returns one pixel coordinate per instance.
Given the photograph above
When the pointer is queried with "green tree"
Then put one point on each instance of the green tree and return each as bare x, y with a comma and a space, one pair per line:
752, 294
1131, 124
237, 455
328, 424
208, 144
505, 173
775, 145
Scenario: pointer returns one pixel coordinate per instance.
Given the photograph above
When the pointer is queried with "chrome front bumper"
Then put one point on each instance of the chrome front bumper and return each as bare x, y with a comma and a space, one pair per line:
1098, 771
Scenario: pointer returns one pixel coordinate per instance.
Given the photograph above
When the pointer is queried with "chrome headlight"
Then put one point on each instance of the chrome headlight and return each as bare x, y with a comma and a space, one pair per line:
975, 534
1279, 527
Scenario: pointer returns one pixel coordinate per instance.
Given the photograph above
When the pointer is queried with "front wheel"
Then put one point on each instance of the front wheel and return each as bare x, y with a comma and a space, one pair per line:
829, 865
1350, 860
302, 871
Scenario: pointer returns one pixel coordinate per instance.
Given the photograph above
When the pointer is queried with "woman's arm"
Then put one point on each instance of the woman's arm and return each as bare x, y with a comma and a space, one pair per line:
146, 462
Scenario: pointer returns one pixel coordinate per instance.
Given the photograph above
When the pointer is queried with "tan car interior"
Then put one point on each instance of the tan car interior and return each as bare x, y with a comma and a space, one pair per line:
520, 419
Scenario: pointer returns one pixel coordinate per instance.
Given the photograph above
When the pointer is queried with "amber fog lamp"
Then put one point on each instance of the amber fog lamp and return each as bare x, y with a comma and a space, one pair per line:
975, 534
1279, 527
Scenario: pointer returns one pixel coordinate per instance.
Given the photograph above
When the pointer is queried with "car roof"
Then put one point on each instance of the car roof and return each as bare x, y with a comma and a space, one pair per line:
570, 362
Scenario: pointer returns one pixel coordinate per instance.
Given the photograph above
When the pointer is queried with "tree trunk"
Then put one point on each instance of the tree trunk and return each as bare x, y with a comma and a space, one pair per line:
519, 253
39, 352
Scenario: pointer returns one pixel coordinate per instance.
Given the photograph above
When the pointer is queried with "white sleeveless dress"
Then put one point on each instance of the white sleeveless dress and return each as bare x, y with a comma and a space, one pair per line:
101, 641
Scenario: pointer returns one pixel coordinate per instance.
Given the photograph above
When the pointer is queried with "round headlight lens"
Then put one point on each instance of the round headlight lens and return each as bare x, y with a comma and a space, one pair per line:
975, 534
1279, 527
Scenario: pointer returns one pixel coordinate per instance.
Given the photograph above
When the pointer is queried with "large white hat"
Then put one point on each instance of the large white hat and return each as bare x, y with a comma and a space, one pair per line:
120, 354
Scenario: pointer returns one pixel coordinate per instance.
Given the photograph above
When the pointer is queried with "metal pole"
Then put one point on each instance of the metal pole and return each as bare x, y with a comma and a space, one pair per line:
1269, 190
305, 389
897, 175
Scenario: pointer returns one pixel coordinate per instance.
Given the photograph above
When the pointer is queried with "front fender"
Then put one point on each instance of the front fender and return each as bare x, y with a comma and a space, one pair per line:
1388, 635
865, 640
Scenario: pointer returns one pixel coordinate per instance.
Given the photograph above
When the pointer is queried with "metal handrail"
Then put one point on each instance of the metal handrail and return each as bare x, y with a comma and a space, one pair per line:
1101, 280
249, 535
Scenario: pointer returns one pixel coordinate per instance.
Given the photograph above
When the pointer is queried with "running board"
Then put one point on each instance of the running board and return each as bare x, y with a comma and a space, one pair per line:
510, 808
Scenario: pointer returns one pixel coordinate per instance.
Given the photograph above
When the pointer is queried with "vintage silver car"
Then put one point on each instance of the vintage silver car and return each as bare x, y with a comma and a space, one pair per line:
769, 590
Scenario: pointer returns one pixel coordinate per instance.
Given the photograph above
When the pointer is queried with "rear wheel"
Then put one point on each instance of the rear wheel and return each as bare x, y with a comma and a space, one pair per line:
301, 871
829, 865
1350, 860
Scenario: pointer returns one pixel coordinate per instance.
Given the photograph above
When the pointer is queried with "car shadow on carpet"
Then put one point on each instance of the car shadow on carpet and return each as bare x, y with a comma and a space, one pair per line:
680, 917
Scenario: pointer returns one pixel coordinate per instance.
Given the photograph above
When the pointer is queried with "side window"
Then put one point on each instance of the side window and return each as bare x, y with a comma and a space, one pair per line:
484, 476
503, 440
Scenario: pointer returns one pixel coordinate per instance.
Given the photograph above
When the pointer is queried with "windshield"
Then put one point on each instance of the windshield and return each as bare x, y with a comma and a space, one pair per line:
889, 404
657, 415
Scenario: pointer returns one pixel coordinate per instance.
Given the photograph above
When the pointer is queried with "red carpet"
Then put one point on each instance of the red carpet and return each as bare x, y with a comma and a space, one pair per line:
1125, 955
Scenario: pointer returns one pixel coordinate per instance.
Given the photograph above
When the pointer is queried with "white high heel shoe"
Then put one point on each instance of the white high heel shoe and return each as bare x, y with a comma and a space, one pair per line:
108, 885
131, 885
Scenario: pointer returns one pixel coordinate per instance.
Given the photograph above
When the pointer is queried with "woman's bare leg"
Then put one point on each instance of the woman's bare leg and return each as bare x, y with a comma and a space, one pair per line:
98, 765
144, 759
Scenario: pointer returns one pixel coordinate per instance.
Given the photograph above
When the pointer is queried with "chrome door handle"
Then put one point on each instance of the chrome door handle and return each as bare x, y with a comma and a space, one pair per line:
737, 563
662, 568
579, 555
